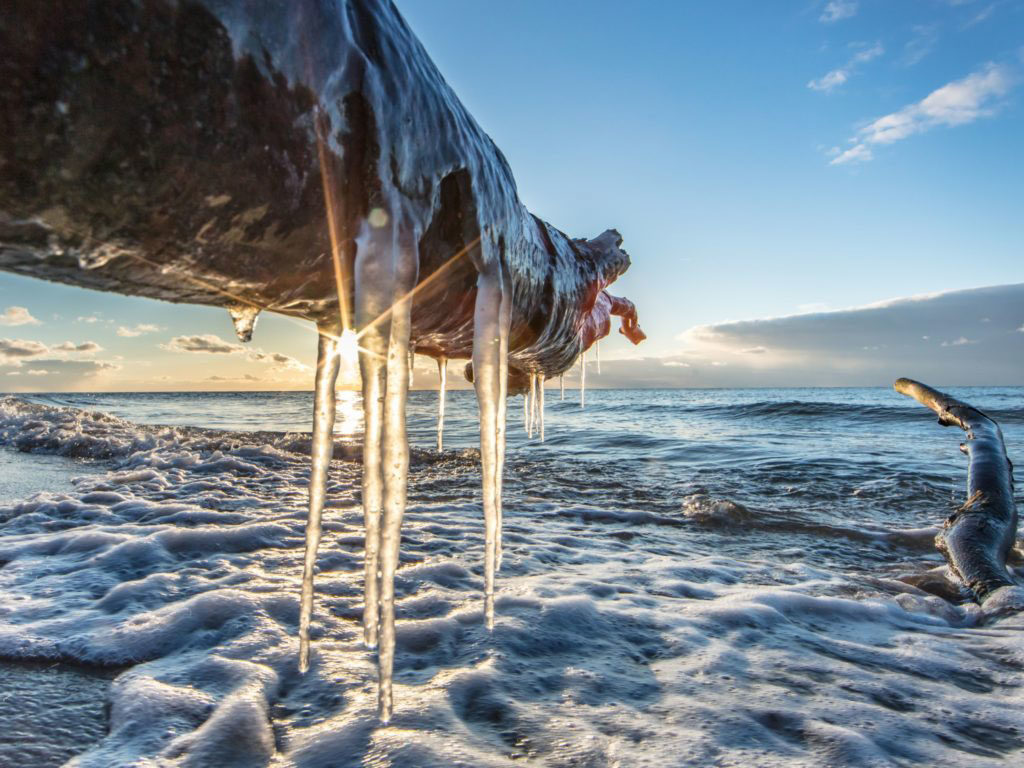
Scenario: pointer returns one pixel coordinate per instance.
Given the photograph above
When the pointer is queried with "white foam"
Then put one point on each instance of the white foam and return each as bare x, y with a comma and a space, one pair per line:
181, 563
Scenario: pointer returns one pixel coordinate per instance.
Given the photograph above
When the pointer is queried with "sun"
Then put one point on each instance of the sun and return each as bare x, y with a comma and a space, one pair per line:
348, 348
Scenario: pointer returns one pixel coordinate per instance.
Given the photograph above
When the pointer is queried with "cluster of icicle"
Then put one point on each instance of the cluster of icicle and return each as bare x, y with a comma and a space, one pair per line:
386, 365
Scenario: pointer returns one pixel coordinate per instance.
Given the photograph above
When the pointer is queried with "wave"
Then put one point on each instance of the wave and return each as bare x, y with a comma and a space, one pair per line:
617, 628
808, 409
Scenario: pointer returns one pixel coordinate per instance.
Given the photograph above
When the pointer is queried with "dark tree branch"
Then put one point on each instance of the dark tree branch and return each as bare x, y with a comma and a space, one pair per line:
977, 538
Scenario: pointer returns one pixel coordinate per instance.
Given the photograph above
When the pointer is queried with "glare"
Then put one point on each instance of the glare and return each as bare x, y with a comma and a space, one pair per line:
348, 348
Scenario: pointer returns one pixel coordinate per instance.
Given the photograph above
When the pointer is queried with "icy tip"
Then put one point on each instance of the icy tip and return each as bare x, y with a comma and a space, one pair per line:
244, 318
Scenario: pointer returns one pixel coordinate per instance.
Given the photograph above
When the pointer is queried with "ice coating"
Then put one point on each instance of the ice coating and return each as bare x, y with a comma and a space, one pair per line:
325, 205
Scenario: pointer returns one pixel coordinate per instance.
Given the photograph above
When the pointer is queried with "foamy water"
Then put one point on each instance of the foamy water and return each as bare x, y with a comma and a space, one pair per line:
690, 578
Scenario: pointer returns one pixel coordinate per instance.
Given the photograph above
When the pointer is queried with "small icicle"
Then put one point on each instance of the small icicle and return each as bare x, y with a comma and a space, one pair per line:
540, 386
327, 363
412, 366
532, 404
597, 348
561, 384
244, 317
583, 379
442, 375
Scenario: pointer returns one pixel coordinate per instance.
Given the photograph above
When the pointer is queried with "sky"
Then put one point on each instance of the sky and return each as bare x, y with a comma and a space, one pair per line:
813, 192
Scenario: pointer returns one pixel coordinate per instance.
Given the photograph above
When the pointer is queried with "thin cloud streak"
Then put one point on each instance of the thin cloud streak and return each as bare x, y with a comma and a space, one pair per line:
837, 10
957, 103
837, 77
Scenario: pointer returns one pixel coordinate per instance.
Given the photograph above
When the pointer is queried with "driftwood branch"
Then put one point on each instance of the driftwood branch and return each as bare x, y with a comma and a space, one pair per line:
977, 538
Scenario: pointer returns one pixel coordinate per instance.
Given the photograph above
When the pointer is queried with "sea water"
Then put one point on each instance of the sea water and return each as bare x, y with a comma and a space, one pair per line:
689, 577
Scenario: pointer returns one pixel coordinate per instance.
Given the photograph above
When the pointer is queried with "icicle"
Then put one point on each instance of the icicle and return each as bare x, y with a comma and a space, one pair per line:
561, 384
583, 379
540, 387
504, 322
597, 348
487, 323
532, 404
412, 367
395, 461
327, 363
372, 303
244, 318
526, 412
442, 376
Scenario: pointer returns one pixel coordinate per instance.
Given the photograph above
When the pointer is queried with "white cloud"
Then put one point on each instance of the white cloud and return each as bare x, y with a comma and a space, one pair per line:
830, 81
13, 351
246, 377
837, 77
859, 153
86, 347
17, 316
837, 10
207, 343
280, 361
212, 344
88, 319
37, 372
868, 345
981, 16
137, 330
923, 42
957, 103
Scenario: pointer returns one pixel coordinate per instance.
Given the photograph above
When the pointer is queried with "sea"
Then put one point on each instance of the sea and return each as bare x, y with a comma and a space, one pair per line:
720, 577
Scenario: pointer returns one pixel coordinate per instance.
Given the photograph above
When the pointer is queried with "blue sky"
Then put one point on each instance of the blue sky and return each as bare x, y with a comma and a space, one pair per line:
761, 160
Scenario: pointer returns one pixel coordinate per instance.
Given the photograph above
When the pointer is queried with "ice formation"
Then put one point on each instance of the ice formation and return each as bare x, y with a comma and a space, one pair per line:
306, 159
583, 379
442, 386
243, 317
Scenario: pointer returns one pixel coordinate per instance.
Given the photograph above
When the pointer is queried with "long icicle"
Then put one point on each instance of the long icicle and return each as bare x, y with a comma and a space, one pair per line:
442, 376
486, 350
583, 379
504, 323
324, 402
372, 302
395, 464
540, 387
